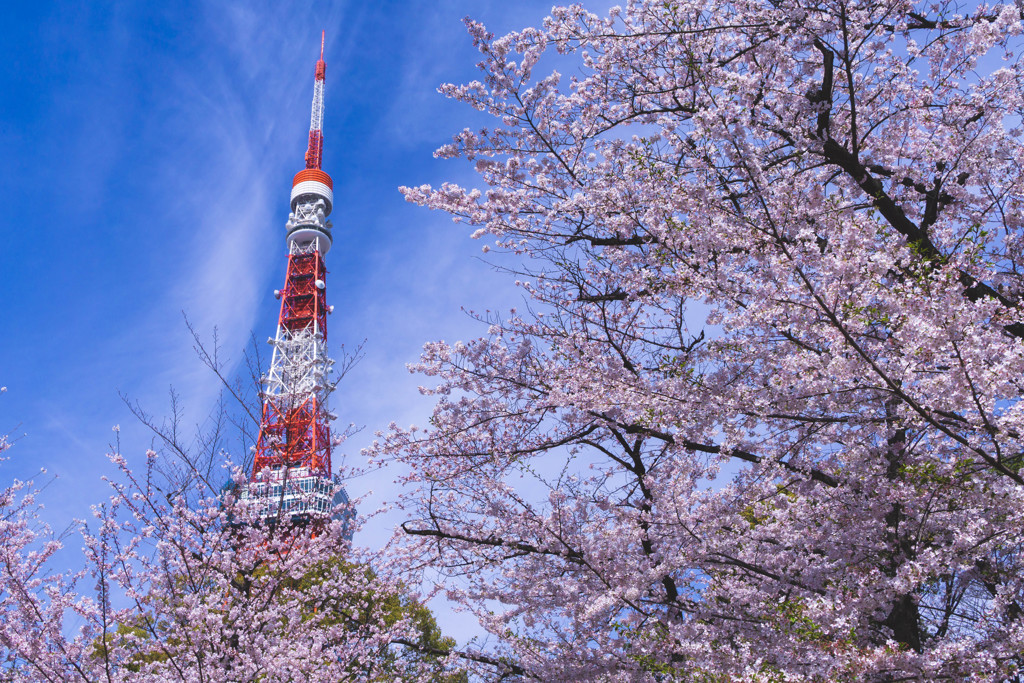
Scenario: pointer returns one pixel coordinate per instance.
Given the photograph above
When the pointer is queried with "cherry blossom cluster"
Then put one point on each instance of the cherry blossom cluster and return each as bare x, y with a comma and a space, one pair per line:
195, 586
761, 419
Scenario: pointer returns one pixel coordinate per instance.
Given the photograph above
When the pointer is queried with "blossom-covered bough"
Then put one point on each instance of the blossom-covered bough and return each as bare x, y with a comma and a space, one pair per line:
761, 420
216, 593
194, 585
33, 602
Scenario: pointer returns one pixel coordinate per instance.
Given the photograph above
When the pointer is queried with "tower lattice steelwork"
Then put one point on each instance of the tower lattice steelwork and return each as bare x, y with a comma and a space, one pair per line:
291, 473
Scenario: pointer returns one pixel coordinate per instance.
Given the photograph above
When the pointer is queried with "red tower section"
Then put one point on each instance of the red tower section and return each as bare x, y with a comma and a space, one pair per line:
294, 430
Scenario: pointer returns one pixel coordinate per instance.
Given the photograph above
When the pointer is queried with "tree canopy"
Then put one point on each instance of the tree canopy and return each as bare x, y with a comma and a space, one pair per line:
759, 418
184, 583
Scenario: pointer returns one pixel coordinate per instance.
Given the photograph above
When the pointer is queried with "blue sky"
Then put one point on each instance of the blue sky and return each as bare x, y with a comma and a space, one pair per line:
148, 150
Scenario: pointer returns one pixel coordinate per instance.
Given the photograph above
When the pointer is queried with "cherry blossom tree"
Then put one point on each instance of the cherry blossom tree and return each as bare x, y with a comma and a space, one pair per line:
760, 417
183, 580
35, 602
215, 592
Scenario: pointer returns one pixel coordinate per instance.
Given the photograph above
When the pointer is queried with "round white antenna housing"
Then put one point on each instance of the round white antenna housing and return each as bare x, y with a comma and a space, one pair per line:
312, 183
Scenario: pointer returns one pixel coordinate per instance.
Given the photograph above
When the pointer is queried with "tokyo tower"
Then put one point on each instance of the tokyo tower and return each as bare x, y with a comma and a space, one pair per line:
291, 473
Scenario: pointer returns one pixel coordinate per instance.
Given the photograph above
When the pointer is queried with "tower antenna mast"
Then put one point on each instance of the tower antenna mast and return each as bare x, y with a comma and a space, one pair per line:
315, 151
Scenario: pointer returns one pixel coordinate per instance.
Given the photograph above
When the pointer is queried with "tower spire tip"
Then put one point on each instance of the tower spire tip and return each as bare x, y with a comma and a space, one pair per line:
314, 153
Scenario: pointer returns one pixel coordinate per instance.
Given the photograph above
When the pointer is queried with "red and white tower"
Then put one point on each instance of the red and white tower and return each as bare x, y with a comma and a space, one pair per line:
291, 473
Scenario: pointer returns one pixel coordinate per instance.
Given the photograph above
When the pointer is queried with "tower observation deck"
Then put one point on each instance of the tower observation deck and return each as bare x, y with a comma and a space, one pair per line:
291, 476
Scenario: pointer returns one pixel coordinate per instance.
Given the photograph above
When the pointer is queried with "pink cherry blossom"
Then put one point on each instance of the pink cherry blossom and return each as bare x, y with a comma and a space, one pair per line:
187, 584
760, 419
